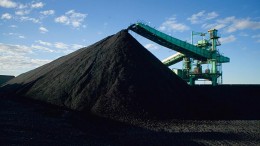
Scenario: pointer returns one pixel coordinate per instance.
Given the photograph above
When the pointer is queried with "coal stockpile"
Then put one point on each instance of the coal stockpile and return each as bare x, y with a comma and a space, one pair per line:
5, 78
115, 77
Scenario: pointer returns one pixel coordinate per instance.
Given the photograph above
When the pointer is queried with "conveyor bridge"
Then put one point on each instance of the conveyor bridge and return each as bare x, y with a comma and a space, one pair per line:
204, 52
175, 44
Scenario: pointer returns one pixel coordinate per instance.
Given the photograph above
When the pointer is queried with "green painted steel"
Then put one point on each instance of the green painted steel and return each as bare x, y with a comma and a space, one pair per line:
205, 52
175, 44
173, 59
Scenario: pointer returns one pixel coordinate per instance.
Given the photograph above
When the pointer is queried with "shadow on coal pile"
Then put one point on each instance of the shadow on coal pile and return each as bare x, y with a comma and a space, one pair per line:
229, 102
30, 122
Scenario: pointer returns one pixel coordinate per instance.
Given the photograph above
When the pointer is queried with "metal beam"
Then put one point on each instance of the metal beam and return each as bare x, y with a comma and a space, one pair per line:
173, 59
175, 44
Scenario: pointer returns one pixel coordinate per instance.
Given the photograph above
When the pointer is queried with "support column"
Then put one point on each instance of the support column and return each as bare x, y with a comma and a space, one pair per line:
214, 80
192, 81
214, 66
214, 70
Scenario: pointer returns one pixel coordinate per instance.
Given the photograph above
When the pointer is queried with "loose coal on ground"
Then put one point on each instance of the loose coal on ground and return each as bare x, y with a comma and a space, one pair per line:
115, 77
230, 101
28, 122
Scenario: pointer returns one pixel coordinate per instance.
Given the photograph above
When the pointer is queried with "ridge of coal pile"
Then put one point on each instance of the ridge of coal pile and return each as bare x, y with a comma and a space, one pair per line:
115, 78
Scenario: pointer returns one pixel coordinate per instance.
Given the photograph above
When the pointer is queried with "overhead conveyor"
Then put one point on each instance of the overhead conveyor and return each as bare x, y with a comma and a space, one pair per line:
204, 52
175, 44
173, 59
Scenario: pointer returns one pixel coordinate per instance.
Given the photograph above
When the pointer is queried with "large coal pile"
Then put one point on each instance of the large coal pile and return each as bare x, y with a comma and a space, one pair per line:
115, 77
5, 78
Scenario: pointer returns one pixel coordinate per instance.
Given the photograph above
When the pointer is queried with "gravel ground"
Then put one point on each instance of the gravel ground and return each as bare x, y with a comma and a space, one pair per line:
27, 122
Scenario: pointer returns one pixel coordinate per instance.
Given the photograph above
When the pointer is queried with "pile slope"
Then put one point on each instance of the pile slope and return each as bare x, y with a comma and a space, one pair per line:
5, 78
115, 77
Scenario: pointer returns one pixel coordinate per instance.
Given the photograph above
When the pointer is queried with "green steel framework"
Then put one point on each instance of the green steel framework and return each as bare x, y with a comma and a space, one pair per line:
186, 51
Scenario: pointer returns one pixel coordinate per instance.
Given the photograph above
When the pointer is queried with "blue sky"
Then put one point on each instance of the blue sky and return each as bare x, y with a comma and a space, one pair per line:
36, 32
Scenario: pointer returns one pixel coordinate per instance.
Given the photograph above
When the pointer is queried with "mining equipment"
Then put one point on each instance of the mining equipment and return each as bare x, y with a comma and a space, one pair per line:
193, 56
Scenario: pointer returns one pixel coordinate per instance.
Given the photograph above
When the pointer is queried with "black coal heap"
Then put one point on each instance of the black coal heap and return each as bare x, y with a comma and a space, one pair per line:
115, 77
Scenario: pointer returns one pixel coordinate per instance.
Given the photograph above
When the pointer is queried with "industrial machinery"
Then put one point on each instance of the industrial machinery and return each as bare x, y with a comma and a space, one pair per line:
194, 56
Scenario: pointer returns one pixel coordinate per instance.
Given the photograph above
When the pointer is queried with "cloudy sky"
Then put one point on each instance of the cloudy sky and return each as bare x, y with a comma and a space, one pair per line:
36, 32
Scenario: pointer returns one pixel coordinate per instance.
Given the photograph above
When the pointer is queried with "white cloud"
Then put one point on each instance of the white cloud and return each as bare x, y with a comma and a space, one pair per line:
213, 26
172, 25
76, 46
48, 12
201, 16
7, 4
6, 16
40, 62
65, 48
232, 24
15, 35
21, 37
11, 34
22, 12
62, 19
14, 59
60, 45
227, 20
228, 39
13, 26
8, 49
195, 17
44, 43
151, 46
37, 5
241, 24
75, 23
43, 29
16, 64
29, 19
71, 18
45, 49
22, 6
211, 15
